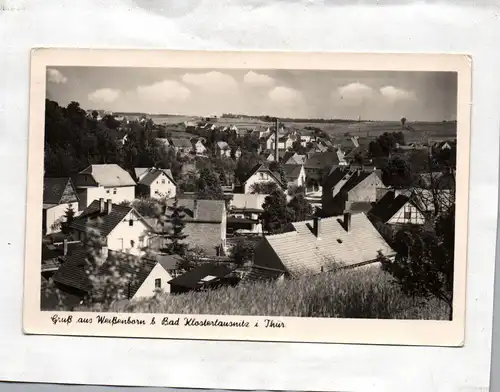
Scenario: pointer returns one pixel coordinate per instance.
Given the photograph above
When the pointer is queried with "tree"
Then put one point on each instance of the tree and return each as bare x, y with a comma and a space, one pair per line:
242, 251
300, 207
208, 186
403, 122
95, 114
174, 235
423, 265
68, 218
264, 188
276, 214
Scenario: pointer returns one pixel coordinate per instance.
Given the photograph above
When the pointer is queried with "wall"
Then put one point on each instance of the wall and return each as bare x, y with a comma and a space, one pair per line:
417, 217
88, 195
158, 189
123, 231
56, 212
366, 190
256, 178
148, 286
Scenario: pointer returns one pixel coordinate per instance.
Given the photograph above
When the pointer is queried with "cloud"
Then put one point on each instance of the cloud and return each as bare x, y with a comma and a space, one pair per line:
214, 81
104, 95
56, 76
395, 94
260, 80
166, 90
285, 96
353, 93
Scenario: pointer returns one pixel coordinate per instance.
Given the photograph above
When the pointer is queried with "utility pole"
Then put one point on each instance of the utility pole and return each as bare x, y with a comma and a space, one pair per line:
276, 154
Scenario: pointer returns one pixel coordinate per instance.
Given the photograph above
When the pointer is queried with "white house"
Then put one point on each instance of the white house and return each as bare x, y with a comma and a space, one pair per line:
222, 149
106, 181
198, 147
155, 183
396, 209
163, 270
258, 175
59, 195
122, 228
295, 175
285, 142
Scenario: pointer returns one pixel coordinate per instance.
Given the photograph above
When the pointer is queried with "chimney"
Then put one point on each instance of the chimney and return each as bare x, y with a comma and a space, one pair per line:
101, 205
276, 154
195, 209
109, 206
65, 247
317, 226
347, 221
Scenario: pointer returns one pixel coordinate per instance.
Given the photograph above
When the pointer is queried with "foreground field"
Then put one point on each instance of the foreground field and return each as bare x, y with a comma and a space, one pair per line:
348, 294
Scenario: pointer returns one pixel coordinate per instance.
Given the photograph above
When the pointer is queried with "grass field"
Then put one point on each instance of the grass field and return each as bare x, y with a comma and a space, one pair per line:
364, 293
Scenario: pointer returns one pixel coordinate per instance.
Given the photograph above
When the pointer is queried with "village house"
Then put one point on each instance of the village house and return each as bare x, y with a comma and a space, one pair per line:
397, 210
285, 142
106, 181
295, 175
205, 226
121, 227
198, 147
350, 189
222, 149
296, 159
244, 213
155, 183
181, 146
59, 195
307, 136
206, 276
135, 277
260, 174
319, 164
319, 245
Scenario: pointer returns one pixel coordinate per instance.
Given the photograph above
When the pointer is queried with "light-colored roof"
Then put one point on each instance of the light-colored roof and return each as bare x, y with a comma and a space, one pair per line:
301, 251
222, 145
109, 175
296, 158
151, 174
140, 171
182, 143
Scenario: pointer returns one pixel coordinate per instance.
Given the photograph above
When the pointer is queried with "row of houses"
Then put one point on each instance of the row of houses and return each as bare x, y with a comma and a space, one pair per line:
197, 146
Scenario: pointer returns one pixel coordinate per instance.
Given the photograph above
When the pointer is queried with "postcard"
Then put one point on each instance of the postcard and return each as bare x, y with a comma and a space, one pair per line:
248, 196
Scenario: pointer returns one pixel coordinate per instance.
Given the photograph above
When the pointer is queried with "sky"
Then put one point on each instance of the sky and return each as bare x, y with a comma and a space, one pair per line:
377, 95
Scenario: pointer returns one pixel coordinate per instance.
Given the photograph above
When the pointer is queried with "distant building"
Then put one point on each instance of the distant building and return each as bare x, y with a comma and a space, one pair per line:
181, 146
59, 195
222, 149
198, 147
155, 183
319, 245
319, 164
244, 213
260, 174
106, 181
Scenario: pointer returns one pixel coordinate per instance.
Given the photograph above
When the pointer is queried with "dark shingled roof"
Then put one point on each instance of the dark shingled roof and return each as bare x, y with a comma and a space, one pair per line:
258, 273
194, 279
322, 159
88, 218
182, 143
292, 172
388, 206
206, 210
53, 189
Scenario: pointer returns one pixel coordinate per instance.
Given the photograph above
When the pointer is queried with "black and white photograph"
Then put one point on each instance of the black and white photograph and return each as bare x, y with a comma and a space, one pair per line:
272, 193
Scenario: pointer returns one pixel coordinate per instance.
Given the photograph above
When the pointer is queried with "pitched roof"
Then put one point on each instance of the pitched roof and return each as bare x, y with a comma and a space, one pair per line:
206, 210
222, 145
72, 271
106, 223
301, 251
53, 189
182, 143
292, 172
321, 160
152, 174
296, 159
109, 175
257, 273
207, 273
168, 262
260, 167
388, 205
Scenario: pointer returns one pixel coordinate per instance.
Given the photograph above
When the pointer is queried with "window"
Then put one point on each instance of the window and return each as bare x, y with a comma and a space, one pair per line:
141, 242
158, 283
130, 222
408, 214
163, 181
107, 190
132, 243
114, 191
